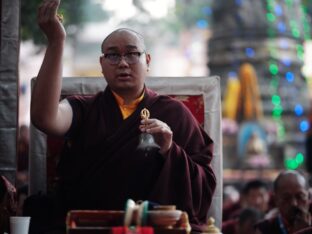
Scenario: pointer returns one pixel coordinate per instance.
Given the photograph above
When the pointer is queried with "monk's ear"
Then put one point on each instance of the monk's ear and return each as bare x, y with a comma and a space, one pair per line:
148, 59
101, 59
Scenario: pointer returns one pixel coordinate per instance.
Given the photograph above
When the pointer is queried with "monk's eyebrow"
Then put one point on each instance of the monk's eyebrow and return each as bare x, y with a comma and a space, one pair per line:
115, 48
112, 48
131, 47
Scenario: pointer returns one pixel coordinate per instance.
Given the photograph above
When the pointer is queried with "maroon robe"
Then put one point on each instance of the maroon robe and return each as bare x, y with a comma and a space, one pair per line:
229, 226
101, 167
273, 225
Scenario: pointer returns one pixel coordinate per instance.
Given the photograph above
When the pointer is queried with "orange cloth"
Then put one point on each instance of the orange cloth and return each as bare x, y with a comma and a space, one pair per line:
127, 109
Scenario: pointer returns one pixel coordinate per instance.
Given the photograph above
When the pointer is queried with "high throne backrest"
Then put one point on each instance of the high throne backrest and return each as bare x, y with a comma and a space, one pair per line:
200, 94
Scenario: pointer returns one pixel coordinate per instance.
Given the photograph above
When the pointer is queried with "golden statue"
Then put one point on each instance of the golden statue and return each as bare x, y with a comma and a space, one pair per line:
211, 228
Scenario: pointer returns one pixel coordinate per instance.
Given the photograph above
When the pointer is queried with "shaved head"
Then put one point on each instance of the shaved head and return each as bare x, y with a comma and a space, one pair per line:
292, 196
285, 176
124, 78
121, 31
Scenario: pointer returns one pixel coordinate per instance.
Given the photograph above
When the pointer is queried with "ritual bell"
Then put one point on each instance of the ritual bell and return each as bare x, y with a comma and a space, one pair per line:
147, 142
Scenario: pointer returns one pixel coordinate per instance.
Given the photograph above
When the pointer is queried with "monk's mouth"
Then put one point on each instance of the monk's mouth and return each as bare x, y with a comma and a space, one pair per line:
124, 76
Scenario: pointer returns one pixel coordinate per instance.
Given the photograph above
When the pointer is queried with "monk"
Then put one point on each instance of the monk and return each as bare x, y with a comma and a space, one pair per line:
292, 201
101, 166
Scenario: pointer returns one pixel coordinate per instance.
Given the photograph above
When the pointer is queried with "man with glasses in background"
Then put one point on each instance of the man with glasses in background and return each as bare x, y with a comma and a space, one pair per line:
101, 166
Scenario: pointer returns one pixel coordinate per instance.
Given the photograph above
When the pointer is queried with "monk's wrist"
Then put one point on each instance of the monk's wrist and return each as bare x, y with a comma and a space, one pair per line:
165, 152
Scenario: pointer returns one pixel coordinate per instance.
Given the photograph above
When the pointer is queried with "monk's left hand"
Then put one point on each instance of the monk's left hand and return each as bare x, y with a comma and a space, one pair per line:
161, 132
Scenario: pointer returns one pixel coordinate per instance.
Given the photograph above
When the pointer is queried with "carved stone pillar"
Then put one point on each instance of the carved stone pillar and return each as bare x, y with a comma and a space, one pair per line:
9, 53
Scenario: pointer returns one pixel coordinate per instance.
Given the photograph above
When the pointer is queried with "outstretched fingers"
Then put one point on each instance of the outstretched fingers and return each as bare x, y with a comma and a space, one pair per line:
47, 10
49, 22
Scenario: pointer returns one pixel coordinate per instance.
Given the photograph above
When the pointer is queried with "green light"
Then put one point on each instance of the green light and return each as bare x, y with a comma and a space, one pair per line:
306, 25
276, 100
299, 158
270, 17
291, 164
300, 55
277, 111
304, 9
306, 30
273, 68
270, 7
276, 114
300, 51
295, 32
299, 47
277, 118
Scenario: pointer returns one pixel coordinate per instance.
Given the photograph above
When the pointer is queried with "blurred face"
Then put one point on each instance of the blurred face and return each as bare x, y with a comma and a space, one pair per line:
247, 227
125, 78
258, 198
292, 197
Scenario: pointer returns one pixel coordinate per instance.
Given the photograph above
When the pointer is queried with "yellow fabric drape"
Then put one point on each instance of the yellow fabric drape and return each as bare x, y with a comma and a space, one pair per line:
230, 103
242, 100
250, 105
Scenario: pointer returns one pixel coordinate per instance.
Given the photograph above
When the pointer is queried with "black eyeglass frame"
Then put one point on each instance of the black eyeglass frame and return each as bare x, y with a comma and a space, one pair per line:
116, 58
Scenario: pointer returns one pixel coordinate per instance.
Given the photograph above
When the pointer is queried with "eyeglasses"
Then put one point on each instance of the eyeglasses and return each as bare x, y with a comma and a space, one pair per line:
130, 57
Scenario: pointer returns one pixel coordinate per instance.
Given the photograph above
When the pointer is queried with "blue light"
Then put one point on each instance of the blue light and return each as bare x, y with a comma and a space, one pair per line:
304, 126
298, 110
238, 2
250, 52
202, 23
290, 77
232, 74
281, 27
278, 10
286, 62
207, 10
23, 88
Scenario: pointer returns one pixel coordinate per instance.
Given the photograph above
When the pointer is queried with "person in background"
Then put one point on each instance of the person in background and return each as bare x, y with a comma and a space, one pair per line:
8, 203
244, 224
292, 201
101, 166
23, 148
255, 194
230, 195
22, 166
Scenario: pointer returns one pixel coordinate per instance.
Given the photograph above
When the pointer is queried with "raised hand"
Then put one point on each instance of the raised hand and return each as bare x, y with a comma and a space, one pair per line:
49, 22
